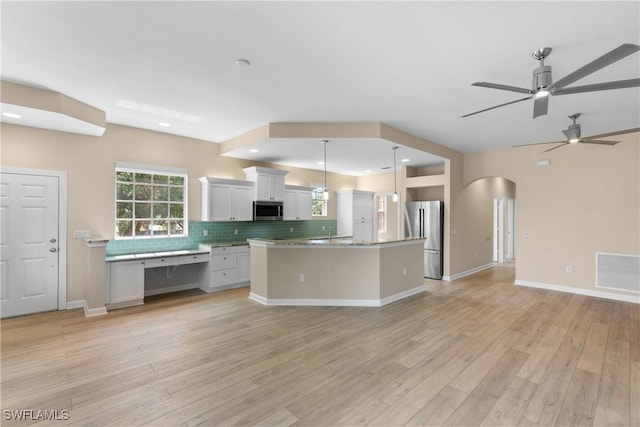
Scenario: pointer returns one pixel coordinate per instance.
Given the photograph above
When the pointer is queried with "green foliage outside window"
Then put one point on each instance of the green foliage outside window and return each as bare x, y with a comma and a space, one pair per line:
149, 204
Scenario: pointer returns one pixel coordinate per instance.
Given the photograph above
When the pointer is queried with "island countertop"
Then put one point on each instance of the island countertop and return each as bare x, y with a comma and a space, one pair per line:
341, 241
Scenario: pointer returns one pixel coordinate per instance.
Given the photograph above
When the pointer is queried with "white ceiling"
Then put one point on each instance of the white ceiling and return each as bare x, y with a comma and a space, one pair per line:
406, 64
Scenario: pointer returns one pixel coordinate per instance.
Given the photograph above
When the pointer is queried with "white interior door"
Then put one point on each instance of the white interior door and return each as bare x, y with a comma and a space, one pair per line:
29, 243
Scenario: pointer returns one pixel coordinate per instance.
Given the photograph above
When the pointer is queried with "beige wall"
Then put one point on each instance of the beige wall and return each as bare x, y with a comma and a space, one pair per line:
586, 201
89, 162
473, 216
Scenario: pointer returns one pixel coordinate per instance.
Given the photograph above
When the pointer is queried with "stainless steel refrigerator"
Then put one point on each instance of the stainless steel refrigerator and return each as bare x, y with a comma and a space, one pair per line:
426, 219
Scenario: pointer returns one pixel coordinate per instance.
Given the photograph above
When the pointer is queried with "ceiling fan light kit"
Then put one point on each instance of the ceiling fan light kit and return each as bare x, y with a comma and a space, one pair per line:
543, 87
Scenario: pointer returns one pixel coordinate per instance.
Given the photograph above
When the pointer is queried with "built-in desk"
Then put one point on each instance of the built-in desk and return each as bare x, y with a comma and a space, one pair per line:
131, 277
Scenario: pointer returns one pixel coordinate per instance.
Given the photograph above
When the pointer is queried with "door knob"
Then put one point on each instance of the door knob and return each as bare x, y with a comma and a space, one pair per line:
53, 250
52, 240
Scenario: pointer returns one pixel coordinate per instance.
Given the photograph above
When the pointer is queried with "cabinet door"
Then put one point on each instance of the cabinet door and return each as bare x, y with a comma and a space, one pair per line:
363, 230
242, 204
303, 203
290, 208
277, 188
126, 281
244, 267
220, 197
263, 187
362, 206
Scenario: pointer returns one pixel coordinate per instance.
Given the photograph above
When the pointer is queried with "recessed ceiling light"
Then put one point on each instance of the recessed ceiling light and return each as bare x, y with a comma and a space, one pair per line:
12, 115
321, 163
405, 160
164, 124
367, 171
243, 63
254, 150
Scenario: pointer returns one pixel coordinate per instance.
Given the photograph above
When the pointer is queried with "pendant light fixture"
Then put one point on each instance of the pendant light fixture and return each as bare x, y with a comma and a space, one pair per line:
325, 193
396, 196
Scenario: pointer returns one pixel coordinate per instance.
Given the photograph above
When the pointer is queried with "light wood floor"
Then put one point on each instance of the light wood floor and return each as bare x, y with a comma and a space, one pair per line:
477, 351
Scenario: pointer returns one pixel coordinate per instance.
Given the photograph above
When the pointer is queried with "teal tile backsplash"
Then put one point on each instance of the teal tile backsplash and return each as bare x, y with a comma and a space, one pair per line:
223, 232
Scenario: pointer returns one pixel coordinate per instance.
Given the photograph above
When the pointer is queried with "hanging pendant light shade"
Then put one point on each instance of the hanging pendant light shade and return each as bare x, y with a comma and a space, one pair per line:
325, 193
396, 196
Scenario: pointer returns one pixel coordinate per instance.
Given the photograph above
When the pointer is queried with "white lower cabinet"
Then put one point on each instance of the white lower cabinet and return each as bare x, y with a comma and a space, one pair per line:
125, 283
244, 264
229, 267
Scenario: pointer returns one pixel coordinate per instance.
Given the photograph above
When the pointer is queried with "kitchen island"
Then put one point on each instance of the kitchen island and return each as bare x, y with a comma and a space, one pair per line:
335, 271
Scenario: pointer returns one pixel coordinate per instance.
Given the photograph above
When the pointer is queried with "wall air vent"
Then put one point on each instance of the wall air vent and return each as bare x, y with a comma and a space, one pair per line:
619, 272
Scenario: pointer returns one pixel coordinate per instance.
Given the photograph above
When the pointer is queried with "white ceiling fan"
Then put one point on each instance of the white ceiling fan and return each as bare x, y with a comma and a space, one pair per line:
543, 87
573, 134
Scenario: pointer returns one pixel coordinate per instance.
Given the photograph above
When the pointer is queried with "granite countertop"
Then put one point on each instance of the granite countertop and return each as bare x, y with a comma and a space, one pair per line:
207, 245
147, 255
333, 241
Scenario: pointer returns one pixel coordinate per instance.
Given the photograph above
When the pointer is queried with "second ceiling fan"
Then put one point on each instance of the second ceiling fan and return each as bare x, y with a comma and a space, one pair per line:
543, 87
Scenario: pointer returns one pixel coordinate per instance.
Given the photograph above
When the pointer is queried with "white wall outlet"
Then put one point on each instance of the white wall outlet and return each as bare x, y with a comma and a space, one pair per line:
291, 229
323, 228
453, 231
205, 232
569, 269
476, 254
235, 231
404, 271
525, 234
302, 278
81, 234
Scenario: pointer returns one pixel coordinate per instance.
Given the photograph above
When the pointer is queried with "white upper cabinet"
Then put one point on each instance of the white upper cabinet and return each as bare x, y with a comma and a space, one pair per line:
226, 199
269, 183
297, 203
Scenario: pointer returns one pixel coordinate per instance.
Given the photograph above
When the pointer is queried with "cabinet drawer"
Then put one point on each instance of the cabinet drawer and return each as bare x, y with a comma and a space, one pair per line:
223, 277
192, 259
223, 250
243, 249
161, 262
223, 262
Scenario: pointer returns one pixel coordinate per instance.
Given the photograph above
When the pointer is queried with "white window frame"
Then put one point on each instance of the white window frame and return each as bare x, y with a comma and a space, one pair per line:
318, 188
157, 170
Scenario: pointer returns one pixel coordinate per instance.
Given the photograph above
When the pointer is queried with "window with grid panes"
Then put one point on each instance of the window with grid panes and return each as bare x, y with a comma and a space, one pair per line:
150, 201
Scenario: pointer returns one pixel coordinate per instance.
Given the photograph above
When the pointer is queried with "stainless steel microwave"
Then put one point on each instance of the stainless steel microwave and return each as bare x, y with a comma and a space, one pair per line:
267, 211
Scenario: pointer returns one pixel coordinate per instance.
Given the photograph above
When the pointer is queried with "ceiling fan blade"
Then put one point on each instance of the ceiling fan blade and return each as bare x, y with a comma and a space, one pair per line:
598, 141
502, 87
540, 106
609, 58
564, 144
618, 132
619, 84
497, 106
540, 143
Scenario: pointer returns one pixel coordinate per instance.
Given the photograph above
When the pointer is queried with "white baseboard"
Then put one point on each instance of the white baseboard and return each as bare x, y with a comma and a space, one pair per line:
91, 312
401, 295
76, 304
578, 291
336, 302
468, 272
88, 312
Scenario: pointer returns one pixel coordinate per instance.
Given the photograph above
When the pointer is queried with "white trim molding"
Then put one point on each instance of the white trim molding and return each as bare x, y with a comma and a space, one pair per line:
336, 302
62, 224
468, 272
88, 312
588, 292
